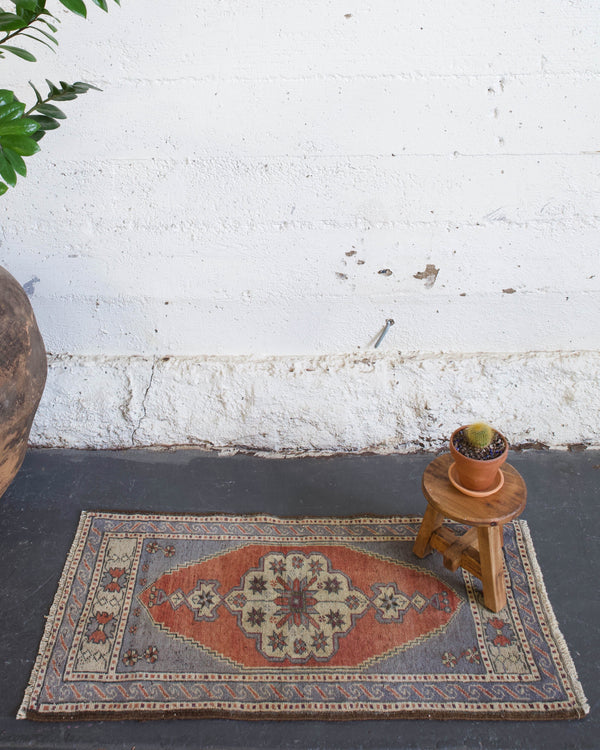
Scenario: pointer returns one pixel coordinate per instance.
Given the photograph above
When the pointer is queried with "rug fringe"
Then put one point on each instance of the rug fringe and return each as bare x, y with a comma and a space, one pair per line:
553, 626
50, 618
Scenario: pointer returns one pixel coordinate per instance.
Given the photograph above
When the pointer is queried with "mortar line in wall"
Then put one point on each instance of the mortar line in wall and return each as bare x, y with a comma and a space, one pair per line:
587, 75
394, 297
278, 226
359, 354
304, 158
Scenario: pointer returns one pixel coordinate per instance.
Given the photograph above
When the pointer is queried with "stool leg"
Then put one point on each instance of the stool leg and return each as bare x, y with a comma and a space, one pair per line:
432, 520
492, 567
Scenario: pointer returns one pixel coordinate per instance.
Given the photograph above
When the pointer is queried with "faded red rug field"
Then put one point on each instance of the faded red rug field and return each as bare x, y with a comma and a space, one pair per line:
262, 617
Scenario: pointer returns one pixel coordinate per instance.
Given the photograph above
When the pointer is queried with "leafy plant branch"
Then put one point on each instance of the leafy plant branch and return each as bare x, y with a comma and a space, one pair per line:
20, 130
30, 26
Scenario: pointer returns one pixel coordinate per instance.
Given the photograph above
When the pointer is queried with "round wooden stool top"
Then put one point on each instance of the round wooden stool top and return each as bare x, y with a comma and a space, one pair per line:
497, 509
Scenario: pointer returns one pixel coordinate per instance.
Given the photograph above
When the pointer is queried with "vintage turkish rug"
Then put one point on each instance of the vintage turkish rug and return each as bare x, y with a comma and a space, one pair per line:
276, 618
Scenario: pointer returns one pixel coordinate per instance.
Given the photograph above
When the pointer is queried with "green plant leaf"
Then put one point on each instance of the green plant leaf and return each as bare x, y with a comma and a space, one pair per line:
21, 144
52, 88
81, 88
68, 91
76, 6
3, 188
64, 96
27, 16
38, 96
31, 5
101, 4
51, 111
11, 22
22, 53
63, 93
16, 162
46, 34
6, 97
24, 126
6, 171
49, 25
45, 123
41, 41
11, 111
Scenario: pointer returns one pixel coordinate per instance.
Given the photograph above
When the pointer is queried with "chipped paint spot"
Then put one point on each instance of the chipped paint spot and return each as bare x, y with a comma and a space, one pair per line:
29, 286
385, 272
342, 276
429, 275
350, 253
510, 290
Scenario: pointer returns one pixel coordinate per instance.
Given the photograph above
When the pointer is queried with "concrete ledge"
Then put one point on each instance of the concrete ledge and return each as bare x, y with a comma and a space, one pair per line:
385, 402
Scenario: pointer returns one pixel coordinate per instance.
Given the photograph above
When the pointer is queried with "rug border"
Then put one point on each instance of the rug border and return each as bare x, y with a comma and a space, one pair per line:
23, 711
577, 712
553, 626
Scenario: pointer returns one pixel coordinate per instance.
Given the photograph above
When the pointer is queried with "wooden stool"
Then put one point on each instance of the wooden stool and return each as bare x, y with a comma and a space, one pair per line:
479, 550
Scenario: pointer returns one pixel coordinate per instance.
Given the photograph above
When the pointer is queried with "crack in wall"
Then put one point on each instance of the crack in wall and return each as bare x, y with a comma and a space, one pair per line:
145, 396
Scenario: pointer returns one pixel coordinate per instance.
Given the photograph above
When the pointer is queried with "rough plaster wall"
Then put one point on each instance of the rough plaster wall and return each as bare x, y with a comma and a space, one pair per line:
332, 402
260, 185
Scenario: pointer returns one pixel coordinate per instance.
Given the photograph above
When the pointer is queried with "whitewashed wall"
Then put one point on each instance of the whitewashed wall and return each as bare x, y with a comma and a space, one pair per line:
261, 184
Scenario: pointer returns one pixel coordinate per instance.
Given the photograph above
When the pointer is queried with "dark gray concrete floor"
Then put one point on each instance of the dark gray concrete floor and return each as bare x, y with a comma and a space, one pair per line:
38, 518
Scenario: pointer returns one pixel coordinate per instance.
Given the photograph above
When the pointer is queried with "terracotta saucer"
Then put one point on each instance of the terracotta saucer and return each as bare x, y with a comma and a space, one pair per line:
473, 493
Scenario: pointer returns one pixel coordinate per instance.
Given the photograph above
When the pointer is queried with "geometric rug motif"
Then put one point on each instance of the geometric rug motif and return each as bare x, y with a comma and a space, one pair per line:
165, 616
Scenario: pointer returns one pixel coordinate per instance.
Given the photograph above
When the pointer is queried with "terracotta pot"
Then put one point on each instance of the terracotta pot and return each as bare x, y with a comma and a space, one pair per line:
23, 369
477, 475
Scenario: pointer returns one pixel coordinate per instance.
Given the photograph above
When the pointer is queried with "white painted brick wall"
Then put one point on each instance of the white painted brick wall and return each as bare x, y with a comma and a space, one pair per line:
249, 169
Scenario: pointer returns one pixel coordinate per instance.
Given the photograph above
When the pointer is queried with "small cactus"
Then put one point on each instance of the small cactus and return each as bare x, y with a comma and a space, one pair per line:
479, 434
